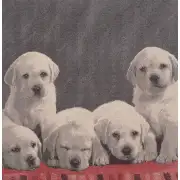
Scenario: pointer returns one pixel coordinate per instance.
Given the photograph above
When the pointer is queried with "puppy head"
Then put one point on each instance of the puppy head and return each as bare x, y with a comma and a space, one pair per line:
21, 152
32, 73
122, 139
153, 69
74, 147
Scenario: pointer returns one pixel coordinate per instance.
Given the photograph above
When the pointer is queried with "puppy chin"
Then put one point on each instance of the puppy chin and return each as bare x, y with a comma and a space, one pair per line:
156, 89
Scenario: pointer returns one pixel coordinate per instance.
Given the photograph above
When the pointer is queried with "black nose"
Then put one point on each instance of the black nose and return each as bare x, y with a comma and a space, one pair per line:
75, 162
126, 150
36, 89
30, 160
154, 78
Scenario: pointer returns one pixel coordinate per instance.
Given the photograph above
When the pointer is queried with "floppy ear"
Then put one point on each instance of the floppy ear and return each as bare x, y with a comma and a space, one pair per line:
39, 150
101, 128
54, 70
144, 131
10, 75
131, 73
174, 63
49, 145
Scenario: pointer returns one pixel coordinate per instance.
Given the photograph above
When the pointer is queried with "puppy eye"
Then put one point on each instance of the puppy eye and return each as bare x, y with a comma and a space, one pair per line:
85, 149
134, 133
65, 147
116, 135
43, 74
16, 149
33, 144
26, 76
143, 69
163, 66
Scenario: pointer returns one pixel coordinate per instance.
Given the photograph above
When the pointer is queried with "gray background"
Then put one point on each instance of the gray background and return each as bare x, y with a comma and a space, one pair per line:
92, 41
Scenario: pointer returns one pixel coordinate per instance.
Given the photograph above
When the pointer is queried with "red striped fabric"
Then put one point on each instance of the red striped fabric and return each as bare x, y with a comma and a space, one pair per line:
146, 171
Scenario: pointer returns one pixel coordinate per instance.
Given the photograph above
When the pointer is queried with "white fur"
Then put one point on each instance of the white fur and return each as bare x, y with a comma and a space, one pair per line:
157, 105
14, 135
73, 128
123, 118
22, 106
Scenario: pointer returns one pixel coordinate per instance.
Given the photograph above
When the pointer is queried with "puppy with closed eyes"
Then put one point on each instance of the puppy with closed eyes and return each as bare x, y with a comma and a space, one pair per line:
153, 73
70, 141
32, 91
124, 132
21, 148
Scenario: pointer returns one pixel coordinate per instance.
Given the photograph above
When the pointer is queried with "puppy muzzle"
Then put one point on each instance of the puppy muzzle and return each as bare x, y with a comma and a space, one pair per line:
31, 161
75, 162
37, 90
154, 78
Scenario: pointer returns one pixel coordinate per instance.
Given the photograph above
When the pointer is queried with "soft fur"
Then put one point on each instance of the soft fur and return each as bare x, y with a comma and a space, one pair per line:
21, 148
71, 137
30, 71
157, 102
116, 122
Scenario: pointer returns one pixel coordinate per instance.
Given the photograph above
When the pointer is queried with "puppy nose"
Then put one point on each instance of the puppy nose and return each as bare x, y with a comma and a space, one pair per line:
126, 150
75, 162
30, 160
36, 89
154, 78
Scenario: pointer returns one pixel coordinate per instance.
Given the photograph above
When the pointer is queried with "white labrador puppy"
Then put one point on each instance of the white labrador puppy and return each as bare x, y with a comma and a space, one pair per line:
21, 148
125, 132
32, 91
70, 141
152, 72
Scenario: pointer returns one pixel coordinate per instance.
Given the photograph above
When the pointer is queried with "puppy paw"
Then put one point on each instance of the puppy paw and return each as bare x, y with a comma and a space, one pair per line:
52, 162
139, 159
102, 160
162, 158
150, 156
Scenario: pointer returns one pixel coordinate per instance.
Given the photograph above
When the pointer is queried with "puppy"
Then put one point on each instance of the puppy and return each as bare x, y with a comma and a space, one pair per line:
152, 73
70, 141
125, 132
21, 148
32, 92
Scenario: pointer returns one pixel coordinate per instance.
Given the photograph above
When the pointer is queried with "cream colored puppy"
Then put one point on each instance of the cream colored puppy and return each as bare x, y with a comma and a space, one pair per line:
125, 132
21, 148
32, 92
70, 141
152, 72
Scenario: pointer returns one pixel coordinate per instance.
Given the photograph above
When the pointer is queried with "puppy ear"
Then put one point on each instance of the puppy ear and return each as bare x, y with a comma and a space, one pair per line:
144, 131
174, 63
39, 150
10, 75
101, 128
49, 144
131, 73
54, 70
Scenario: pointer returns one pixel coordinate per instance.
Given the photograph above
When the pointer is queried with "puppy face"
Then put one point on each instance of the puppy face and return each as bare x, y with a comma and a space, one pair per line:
154, 70
21, 154
32, 74
74, 148
123, 141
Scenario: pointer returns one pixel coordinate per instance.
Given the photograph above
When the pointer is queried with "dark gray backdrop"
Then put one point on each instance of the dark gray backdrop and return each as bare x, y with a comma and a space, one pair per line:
92, 41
